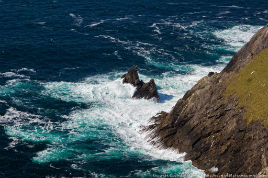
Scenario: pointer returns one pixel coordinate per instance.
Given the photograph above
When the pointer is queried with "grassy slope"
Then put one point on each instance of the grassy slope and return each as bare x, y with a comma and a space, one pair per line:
250, 87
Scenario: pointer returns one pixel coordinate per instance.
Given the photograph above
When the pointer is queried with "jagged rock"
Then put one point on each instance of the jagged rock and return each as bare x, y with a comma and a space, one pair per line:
131, 76
263, 172
143, 90
210, 74
147, 91
212, 129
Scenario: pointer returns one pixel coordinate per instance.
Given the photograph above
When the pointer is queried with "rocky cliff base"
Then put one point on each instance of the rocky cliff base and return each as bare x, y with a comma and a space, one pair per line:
211, 123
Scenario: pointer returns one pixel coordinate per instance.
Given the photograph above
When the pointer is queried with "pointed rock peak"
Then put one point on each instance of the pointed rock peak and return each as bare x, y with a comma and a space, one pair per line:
131, 76
249, 51
143, 90
151, 82
147, 91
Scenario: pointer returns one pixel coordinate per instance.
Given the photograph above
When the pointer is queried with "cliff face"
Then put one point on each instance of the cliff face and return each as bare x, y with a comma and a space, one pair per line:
222, 121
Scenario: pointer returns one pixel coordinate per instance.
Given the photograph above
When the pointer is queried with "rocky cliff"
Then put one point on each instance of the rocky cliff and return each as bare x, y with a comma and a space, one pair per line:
221, 123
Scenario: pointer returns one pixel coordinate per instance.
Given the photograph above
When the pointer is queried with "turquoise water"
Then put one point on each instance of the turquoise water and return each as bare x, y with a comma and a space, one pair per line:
64, 109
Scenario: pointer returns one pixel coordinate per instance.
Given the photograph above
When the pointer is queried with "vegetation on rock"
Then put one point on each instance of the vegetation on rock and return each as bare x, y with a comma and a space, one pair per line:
209, 124
249, 86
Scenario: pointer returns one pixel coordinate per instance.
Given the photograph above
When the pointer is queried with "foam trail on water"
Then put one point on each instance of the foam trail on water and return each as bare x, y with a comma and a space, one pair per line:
147, 51
114, 107
237, 36
95, 23
78, 20
12, 75
113, 118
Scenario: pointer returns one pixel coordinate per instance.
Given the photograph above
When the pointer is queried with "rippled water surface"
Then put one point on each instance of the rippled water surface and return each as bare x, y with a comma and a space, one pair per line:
63, 108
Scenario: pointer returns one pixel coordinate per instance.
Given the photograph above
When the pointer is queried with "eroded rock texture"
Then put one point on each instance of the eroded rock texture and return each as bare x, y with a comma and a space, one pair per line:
210, 128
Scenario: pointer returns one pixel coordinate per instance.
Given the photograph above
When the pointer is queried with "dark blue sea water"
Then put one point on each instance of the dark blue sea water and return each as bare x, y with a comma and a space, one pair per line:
63, 109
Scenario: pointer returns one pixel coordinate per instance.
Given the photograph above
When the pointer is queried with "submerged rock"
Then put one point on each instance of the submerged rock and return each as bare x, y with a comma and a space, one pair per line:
143, 90
214, 122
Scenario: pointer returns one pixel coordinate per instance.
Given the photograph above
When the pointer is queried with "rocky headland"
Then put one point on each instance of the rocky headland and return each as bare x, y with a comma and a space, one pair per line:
222, 122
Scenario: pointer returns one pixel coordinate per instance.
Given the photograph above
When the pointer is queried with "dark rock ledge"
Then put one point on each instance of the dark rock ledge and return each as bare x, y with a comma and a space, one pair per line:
211, 128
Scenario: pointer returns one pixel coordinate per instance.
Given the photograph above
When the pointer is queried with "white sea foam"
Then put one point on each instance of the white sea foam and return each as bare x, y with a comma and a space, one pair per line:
78, 20
224, 59
237, 36
15, 74
114, 108
145, 50
156, 28
40, 23
16, 122
19, 118
95, 23
24, 69
213, 170
12, 75
113, 111
224, 12
13, 143
162, 25
122, 18
232, 6
118, 55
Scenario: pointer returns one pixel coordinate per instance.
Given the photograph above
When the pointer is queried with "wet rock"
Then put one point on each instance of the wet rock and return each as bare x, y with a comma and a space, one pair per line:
211, 73
143, 90
147, 91
210, 128
131, 76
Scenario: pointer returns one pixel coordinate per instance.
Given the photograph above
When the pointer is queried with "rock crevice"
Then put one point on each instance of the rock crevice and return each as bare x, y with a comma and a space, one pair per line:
212, 129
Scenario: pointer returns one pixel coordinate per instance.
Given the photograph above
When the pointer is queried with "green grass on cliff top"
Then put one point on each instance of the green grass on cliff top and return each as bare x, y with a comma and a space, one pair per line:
250, 87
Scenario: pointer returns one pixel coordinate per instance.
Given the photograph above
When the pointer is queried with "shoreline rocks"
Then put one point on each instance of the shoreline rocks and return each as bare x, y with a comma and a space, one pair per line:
211, 127
143, 90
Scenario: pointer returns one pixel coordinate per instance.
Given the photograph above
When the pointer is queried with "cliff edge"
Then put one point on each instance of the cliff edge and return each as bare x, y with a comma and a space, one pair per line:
221, 123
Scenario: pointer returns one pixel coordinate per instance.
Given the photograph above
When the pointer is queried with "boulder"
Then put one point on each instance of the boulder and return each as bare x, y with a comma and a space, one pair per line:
143, 90
147, 91
211, 73
131, 76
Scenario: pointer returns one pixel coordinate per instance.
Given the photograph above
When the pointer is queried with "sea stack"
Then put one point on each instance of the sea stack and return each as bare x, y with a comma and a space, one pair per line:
222, 122
143, 90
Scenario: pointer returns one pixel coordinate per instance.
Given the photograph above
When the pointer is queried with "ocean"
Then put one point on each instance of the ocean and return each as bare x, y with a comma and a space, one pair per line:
64, 111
